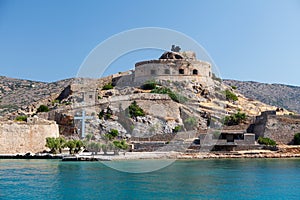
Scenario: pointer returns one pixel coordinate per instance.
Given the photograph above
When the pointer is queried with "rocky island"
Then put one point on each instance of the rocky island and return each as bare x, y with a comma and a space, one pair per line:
172, 107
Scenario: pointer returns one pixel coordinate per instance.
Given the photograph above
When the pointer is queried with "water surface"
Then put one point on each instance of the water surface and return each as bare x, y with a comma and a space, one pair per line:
201, 179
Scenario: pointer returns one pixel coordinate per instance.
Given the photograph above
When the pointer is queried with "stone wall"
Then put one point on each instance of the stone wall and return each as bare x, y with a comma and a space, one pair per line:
280, 128
23, 137
170, 70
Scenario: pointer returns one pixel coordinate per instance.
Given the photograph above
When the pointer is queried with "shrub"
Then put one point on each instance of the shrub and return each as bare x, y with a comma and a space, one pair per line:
230, 96
190, 122
43, 108
297, 139
21, 118
108, 86
266, 141
235, 119
105, 114
149, 85
176, 129
174, 96
135, 110
120, 144
234, 87
112, 134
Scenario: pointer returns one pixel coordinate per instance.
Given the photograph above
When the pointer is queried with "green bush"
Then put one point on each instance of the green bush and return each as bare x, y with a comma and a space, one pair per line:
297, 139
108, 86
21, 118
176, 129
43, 108
120, 144
174, 96
135, 110
149, 85
235, 119
230, 96
112, 134
266, 141
234, 87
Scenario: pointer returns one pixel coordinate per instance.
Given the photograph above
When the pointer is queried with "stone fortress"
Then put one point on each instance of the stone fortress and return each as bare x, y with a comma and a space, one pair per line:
171, 66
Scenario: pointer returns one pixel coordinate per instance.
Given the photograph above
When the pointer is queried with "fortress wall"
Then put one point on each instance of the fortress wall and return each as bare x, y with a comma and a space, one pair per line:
277, 127
22, 137
160, 69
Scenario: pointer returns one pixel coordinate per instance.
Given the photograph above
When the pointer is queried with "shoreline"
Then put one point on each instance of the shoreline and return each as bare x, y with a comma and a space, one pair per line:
158, 156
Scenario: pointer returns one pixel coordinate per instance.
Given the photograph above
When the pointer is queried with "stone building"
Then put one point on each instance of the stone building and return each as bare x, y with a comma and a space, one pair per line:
171, 66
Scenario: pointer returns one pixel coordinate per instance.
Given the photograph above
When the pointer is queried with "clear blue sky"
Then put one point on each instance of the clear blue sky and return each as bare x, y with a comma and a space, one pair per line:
248, 39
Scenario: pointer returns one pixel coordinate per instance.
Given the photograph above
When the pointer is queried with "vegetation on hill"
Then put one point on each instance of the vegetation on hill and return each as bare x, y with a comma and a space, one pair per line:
174, 96
43, 108
21, 118
266, 141
135, 110
235, 119
297, 139
230, 96
108, 86
113, 133
149, 85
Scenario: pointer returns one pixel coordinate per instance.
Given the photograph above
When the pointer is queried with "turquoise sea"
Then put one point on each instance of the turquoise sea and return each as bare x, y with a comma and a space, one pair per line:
193, 179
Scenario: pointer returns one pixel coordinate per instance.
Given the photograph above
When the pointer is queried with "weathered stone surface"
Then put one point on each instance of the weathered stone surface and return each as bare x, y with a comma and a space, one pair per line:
280, 128
22, 137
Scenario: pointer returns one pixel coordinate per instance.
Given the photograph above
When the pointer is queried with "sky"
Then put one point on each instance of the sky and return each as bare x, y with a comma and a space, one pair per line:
250, 40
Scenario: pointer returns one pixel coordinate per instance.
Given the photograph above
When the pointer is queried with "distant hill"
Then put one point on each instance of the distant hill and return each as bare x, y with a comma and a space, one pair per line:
285, 96
16, 93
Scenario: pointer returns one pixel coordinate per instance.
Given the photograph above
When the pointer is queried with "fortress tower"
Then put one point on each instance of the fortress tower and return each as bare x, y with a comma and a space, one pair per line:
172, 66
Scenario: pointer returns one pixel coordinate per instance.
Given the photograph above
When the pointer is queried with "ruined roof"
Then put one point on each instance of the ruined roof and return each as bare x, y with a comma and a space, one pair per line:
187, 55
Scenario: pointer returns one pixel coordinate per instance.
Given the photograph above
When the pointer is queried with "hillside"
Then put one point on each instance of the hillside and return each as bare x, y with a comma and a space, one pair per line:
18, 93
285, 96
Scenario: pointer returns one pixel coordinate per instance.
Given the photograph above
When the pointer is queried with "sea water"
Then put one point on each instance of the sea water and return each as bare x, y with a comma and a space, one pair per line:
192, 179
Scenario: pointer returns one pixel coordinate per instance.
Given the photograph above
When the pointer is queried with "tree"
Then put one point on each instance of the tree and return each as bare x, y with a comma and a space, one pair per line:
117, 144
55, 144
71, 144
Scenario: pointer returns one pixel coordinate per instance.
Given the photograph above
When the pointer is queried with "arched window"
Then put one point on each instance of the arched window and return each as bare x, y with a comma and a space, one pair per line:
195, 72
181, 71
167, 71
